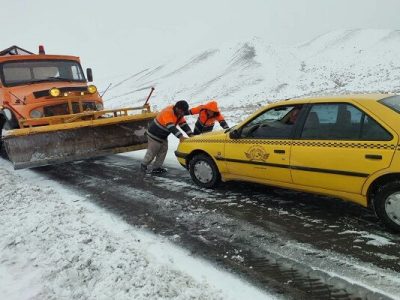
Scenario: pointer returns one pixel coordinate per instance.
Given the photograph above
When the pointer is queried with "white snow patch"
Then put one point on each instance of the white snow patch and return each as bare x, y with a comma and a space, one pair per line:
374, 239
56, 244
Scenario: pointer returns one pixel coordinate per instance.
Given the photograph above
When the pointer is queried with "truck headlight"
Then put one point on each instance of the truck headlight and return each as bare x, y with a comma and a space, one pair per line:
54, 92
92, 89
36, 114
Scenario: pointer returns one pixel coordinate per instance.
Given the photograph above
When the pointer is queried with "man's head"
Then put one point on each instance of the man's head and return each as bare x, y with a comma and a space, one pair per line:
293, 115
213, 106
181, 108
212, 109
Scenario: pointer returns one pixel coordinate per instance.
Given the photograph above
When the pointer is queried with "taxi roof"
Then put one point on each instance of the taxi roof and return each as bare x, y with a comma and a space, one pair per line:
333, 98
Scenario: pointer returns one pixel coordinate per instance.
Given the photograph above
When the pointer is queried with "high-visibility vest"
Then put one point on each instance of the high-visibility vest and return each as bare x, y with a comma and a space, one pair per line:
165, 123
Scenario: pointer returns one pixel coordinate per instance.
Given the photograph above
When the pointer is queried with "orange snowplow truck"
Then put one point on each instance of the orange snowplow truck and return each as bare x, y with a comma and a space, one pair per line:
49, 114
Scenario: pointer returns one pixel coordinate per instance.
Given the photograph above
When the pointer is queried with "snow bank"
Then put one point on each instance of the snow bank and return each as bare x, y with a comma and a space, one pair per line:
55, 244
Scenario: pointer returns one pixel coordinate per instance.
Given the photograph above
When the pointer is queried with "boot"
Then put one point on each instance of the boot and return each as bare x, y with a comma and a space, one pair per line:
158, 170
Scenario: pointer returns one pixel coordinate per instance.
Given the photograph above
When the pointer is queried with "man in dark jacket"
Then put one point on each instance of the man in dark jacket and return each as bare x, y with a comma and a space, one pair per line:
159, 130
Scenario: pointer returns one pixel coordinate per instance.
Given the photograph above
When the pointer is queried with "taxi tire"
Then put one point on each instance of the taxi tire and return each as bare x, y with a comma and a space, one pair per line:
216, 178
380, 200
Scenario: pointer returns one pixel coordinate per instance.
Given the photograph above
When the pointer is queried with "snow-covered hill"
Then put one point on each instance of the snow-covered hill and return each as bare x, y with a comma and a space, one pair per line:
251, 73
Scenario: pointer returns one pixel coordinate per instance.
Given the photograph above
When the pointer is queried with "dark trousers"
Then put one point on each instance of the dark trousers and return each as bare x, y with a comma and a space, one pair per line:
200, 128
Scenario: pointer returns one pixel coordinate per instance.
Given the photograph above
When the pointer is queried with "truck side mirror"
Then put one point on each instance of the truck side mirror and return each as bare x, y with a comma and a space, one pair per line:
234, 134
89, 74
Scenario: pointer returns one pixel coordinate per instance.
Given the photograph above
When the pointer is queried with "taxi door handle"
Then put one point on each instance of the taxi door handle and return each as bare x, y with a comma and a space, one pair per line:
279, 151
373, 156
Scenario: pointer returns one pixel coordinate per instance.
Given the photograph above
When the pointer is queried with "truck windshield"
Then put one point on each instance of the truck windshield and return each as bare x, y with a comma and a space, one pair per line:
33, 71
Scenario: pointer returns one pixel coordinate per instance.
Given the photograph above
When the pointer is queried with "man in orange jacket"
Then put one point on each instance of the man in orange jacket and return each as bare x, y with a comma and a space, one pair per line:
159, 130
208, 114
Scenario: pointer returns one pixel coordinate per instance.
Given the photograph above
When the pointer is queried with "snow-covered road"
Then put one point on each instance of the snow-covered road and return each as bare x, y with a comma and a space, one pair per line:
63, 235
283, 241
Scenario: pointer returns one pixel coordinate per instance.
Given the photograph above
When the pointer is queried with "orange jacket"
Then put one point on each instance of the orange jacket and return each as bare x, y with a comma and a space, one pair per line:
204, 119
165, 123
167, 117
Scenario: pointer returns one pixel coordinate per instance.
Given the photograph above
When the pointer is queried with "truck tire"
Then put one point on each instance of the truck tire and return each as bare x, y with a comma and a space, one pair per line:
5, 125
2, 149
387, 204
204, 171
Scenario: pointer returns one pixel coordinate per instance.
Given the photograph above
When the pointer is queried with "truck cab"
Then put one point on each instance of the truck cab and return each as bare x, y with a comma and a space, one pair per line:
36, 87
49, 113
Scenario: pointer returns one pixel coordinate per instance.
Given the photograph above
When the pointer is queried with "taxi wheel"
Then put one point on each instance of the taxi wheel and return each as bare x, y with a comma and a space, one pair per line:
203, 171
387, 204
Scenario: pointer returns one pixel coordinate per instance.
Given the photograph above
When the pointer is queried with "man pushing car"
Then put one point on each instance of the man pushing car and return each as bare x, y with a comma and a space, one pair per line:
208, 114
157, 134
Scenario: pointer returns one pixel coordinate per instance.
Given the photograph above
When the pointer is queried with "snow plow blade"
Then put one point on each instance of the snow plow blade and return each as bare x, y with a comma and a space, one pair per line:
59, 143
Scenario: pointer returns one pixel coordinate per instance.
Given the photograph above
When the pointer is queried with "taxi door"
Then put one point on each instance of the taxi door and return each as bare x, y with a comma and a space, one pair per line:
260, 149
339, 146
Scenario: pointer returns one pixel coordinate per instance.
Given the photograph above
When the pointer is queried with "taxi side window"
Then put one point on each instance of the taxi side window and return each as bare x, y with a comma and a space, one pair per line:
341, 121
372, 131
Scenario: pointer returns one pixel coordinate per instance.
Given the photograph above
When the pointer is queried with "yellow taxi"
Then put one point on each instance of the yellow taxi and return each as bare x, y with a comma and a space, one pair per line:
341, 146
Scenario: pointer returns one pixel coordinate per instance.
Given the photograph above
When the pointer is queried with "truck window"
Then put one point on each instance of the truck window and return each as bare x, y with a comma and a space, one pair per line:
16, 74
30, 71
76, 73
45, 72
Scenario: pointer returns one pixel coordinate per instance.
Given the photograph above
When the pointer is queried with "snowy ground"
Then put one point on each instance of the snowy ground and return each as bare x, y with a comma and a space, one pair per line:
56, 244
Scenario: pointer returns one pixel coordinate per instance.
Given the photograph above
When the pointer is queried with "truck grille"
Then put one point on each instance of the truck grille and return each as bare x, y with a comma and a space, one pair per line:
62, 109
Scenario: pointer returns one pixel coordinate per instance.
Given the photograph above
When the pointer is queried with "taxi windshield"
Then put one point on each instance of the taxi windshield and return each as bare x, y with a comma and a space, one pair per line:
392, 102
278, 114
34, 71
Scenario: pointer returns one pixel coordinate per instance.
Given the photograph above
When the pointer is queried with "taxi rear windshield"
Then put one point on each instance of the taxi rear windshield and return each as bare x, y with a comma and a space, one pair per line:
392, 102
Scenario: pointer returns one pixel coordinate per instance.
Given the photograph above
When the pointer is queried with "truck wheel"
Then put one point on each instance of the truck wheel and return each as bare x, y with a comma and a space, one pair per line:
387, 204
204, 171
5, 125
3, 152
2, 149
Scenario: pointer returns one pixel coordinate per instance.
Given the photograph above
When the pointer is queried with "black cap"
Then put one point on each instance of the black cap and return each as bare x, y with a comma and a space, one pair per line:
182, 105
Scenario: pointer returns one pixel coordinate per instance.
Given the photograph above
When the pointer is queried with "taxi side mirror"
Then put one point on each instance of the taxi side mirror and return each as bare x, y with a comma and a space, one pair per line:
234, 134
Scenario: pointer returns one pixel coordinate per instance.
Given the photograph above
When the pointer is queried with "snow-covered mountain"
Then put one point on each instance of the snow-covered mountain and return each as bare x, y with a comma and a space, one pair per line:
251, 73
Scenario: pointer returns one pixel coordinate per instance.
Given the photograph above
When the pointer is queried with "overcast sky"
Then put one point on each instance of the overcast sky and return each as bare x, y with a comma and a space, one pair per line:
144, 31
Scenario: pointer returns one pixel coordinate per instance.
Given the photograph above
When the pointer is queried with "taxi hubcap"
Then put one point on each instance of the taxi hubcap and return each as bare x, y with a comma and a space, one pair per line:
203, 172
392, 207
